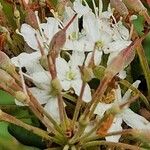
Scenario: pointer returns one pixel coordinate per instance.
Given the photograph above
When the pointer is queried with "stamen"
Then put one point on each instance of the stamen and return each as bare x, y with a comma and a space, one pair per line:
86, 3
17, 31
39, 45
95, 9
56, 17
38, 21
131, 31
100, 7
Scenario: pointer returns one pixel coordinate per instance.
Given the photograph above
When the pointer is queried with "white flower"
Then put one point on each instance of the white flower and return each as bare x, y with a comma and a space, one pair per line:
132, 119
44, 34
29, 61
69, 74
75, 40
80, 9
43, 93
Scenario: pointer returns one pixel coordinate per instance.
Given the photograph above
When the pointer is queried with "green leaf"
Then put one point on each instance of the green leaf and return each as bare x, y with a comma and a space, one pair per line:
7, 142
26, 137
139, 24
6, 99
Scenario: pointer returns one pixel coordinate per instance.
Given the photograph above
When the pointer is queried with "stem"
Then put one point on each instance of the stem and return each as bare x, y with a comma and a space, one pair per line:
113, 144
145, 66
8, 118
53, 73
79, 103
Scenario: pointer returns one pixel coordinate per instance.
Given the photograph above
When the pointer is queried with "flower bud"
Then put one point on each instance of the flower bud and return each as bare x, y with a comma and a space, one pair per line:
44, 62
119, 7
83, 122
5, 63
56, 85
87, 74
21, 96
135, 5
31, 19
99, 71
16, 13
6, 78
1, 112
142, 135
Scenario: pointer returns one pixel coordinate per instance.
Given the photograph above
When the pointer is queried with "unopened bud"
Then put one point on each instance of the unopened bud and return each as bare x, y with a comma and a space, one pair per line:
56, 85
5, 63
119, 7
135, 5
1, 7
31, 19
99, 71
6, 78
142, 135
83, 121
21, 96
16, 13
87, 74
44, 62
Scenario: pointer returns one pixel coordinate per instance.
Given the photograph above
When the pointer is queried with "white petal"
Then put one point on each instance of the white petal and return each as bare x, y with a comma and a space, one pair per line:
87, 94
28, 34
81, 45
91, 26
112, 55
105, 37
62, 68
29, 61
77, 88
79, 8
101, 108
19, 103
122, 74
42, 80
50, 28
118, 97
116, 126
76, 59
41, 95
97, 58
73, 28
88, 58
134, 120
66, 84
52, 108
120, 32
128, 92
116, 46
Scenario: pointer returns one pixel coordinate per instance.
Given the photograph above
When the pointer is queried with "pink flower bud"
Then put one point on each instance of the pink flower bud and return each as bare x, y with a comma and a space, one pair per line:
135, 5
5, 63
119, 7
31, 19
59, 40
6, 78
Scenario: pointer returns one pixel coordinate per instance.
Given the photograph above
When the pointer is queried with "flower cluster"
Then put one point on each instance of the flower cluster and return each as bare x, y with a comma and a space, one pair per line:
99, 32
87, 40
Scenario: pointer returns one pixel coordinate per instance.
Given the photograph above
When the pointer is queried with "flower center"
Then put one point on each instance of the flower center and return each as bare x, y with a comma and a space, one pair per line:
99, 44
73, 36
70, 75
